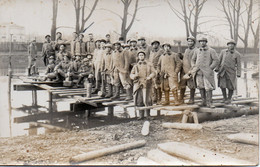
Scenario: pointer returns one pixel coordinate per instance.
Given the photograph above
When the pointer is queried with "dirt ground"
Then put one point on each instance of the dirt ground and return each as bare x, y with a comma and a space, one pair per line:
59, 147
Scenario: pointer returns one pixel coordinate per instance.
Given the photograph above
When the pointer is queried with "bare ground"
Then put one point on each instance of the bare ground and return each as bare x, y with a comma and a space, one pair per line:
59, 147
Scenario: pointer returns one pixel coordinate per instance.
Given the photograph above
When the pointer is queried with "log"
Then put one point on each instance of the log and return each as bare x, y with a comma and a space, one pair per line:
164, 158
145, 161
48, 126
106, 151
114, 103
145, 129
186, 126
178, 108
247, 138
199, 155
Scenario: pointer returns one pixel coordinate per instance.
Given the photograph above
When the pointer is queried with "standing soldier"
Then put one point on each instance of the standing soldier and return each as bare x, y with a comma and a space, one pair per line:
72, 44
204, 61
47, 50
58, 41
133, 53
120, 69
90, 44
142, 74
186, 67
106, 71
228, 69
169, 66
144, 47
80, 47
155, 54
32, 54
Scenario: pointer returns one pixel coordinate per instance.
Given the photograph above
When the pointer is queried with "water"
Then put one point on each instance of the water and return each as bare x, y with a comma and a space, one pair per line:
22, 100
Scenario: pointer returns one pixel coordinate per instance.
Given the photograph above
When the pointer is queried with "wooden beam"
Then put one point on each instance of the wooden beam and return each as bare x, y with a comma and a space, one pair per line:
106, 151
25, 87
48, 126
186, 126
114, 103
199, 155
247, 138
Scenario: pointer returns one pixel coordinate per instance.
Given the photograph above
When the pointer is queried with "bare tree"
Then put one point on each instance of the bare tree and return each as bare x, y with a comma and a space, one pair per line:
189, 14
54, 18
255, 21
127, 25
80, 9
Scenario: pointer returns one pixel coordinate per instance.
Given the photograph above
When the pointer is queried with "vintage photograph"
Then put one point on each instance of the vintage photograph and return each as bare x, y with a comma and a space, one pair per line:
129, 82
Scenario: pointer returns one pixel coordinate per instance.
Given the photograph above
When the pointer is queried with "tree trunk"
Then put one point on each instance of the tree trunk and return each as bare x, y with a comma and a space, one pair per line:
54, 19
77, 10
124, 21
256, 38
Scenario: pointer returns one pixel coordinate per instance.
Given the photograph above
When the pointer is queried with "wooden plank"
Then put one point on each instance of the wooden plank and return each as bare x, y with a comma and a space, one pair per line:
247, 138
48, 126
186, 126
72, 94
106, 151
127, 105
244, 101
25, 87
115, 102
148, 107
44, 86
146, 161
163, 158
178, 108
199, 155
68, 92
72, 89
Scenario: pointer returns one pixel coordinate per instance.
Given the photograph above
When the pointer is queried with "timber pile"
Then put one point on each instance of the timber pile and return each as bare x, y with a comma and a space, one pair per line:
246, 138
185, 126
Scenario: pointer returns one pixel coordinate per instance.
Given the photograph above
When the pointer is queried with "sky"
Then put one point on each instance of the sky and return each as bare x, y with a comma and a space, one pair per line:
156, 21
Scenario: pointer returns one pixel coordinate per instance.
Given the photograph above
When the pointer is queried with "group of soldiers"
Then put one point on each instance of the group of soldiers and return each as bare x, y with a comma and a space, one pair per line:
143, 71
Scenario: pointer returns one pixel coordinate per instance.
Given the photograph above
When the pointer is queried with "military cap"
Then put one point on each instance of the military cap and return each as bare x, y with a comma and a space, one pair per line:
58, 33
47, 36
203, 39
107, 35
155, 41
117, 42
141, 52
166, 44
133, 40
232, 41
97, 41
81, 34
102, 40
192, 38
141, 38
125, 45
108, 45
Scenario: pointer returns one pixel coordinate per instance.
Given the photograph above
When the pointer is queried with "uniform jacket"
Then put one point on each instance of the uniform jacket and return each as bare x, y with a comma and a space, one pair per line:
72, 46
187, 59
64, 66
76, 66
230, 64
169, 63
60, 56
145, 48
90, 46
132, 55
205, 60
120, 61
47, 51
50, 68
57, 43
98, 58
138, 74
86, 68
32, 50
107, 62
80, 48
154, 57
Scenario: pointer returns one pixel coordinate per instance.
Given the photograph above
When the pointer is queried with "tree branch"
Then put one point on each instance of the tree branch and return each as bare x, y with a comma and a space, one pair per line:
112, 12
92, 10
176, 12
133, 18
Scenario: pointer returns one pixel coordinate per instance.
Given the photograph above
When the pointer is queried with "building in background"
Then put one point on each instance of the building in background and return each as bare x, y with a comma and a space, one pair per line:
11, 28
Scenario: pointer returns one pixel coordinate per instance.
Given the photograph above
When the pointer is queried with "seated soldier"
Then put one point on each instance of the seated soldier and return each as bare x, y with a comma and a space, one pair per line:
63, 69
86, 71
50, 74
75, 67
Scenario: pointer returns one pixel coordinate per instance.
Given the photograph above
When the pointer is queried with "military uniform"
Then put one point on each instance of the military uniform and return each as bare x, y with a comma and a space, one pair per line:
90, 45
50, 73
60, 55
63, 70
47, 51
32, 54
97, 60
86, 71
80, 48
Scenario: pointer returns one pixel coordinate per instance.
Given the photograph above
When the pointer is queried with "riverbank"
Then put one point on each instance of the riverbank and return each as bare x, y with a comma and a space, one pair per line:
58, 147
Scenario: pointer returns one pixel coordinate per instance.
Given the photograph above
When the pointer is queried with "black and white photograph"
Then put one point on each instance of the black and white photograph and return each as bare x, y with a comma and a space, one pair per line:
129, 82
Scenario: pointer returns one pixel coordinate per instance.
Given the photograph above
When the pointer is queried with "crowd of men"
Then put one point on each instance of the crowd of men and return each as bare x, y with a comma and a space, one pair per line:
144, 72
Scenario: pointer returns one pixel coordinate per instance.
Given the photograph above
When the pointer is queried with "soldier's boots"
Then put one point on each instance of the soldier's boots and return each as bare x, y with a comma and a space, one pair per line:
175, 95
192, 95
230, 94
129, 94
182, 92
110, 91
167, 98
141, 115
58, 78
224, 93
29, 71
117, 93
209, 99
159, 96
155, 95
203, 98
148, 115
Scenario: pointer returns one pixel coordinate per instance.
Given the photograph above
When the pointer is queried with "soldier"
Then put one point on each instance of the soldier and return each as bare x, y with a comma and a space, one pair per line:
61, 53
90, 44
50, 73
144, 47
133, 53
58, 41
204, 61
32, 55
63, 69
86, 71
80, 47
108, 40
228, 69
186, 68
72, 44
120, 69
169, 66
155, 54
142, 75
47, 50
75, 67
106, 71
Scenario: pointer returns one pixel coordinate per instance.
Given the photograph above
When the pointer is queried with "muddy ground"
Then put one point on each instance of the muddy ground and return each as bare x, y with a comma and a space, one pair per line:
59, 147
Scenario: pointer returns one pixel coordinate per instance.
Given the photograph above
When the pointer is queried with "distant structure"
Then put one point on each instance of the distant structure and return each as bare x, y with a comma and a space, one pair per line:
10, 28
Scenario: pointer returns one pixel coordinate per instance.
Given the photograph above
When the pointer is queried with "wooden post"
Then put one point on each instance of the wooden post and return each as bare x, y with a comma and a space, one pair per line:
9, 87
110, 111
158, 112
32, 129
50, 102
